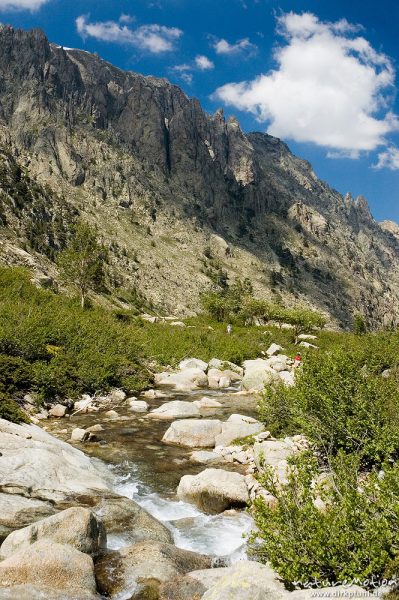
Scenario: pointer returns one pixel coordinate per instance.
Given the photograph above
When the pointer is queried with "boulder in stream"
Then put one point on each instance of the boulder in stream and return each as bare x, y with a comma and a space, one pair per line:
142, 567
207, 406
139, 406
176, 409
193, 433
214, 490
245, 580
57, 411
121, 515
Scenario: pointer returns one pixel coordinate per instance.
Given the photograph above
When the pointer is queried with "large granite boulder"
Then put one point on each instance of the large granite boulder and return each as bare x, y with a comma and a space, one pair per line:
144, 566
216, 363
207, 406
187, 380
245, 580
237, 427
77, 527
257, 374
18, 511
214, 490
193, 433
121, 515
273, 453
35, 464
43, 592
193, 363
256, 578
177, 409
46, 563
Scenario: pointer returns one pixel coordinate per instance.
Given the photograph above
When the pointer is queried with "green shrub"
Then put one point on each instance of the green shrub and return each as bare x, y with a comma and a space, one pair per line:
359, 324
340, 404
354, 537
15, 374
10, 411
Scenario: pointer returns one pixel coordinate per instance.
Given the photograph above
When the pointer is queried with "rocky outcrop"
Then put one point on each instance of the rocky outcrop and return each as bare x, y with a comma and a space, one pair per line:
67, 473
76, 527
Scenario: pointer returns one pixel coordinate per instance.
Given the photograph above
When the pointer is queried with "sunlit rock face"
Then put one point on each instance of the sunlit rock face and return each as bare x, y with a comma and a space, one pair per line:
161, 180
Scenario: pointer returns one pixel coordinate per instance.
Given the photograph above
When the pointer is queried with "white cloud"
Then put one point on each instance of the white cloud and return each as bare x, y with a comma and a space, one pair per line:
184, 71
152, 38
330, 87
126, 18
203, 63
389, 159
31, 5
224, 47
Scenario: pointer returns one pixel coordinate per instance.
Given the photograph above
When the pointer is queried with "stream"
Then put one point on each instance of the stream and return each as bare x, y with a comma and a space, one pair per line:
148, 471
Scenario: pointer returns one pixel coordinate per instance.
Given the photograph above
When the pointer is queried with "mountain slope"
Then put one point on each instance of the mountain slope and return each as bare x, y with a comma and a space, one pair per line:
181, 197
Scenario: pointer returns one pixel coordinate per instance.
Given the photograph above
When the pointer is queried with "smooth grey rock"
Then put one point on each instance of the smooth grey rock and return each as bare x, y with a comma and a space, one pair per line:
189, 379
35, 464
177, 409
17, 511
193, 363
214, 490
258, 374
57, 411
193, 433
236, 427
121, 515
204, 457
79, 435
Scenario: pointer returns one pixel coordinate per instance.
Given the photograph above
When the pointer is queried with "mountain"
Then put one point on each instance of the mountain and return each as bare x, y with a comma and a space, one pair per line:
182, 199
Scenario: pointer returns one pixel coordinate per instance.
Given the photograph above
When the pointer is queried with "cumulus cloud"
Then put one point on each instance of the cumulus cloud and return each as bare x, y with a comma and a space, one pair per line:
151, 38
389, 159
203, 63
31, 5
224, 47
330, 87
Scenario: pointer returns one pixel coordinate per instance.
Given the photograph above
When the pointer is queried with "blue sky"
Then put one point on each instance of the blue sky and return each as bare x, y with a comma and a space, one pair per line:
321, 75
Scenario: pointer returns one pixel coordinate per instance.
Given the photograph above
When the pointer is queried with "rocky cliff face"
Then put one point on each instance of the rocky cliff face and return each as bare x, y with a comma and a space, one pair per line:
177, 195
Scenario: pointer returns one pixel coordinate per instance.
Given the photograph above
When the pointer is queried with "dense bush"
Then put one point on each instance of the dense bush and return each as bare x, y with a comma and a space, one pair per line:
51, 346
341, 402
10, 410
355, 536
15, 374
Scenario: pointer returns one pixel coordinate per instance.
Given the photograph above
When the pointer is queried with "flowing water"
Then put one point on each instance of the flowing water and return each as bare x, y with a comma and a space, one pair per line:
148, 472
